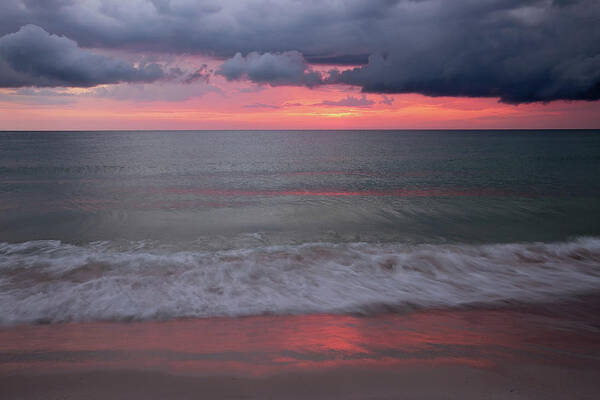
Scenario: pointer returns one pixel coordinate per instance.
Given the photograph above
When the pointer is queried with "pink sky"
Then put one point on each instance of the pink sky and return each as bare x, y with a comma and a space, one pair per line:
243, 105
289, 64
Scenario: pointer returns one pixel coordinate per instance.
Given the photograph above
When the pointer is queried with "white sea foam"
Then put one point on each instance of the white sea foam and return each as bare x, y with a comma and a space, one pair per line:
54, 282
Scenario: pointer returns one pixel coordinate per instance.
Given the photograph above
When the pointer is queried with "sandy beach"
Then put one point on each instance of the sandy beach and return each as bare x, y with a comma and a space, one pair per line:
443, 382
533, 352
300, 265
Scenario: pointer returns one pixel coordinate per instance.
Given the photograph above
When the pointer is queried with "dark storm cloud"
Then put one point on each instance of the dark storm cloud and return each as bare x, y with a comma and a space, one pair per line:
517, 50
346, 59
33, 57
287, 68
340, 29
520, 54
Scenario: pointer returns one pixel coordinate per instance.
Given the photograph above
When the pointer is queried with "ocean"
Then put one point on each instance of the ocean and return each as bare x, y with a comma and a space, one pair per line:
148, 225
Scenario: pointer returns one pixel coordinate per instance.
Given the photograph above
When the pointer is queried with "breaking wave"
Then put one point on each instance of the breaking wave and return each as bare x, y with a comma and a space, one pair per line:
50, 281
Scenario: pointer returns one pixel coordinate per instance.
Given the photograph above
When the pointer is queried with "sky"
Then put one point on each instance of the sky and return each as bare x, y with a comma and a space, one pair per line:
299, 64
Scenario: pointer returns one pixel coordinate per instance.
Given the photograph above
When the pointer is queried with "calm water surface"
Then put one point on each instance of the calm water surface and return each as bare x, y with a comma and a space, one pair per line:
300, 186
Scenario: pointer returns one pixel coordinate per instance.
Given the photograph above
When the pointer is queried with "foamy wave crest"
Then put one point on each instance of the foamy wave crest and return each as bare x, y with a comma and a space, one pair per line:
56, 282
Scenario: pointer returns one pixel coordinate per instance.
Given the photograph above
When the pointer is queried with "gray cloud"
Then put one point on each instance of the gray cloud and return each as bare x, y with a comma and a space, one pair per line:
202, 74
333, 31
171, 91
349, 101
37, 97
287, 68
33, 57
537, 75
346, 59
261, 105
387, 100
516, 50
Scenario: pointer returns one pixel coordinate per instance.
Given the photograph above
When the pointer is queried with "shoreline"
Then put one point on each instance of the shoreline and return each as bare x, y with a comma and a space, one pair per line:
550, 352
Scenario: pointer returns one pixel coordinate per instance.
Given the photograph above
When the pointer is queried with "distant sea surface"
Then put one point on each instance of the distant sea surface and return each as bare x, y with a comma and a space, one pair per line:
160, 225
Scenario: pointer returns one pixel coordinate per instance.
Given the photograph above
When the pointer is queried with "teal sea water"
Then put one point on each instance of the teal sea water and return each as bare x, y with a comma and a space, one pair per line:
146, 225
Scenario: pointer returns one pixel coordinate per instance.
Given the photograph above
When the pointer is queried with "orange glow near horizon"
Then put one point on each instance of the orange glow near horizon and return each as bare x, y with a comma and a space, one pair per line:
240, 105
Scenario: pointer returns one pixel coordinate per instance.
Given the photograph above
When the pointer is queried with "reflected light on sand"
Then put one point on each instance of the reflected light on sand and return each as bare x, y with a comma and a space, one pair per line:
260, 346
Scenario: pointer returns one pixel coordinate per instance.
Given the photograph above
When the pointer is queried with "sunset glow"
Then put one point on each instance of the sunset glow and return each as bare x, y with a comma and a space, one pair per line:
339, 65
285, 108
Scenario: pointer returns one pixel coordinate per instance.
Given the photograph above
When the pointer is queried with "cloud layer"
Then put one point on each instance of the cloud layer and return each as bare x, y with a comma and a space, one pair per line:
349, 101
33, 57
288, 68
516, 50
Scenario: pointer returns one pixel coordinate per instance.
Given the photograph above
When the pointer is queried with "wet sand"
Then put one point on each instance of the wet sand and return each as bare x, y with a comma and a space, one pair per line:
445, 382
540, 352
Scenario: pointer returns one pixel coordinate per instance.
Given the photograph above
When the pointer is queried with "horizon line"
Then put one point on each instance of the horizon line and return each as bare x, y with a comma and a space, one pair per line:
304, 130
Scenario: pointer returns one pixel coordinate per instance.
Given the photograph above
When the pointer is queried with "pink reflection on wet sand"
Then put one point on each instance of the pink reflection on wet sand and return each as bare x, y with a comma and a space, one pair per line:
257, 346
